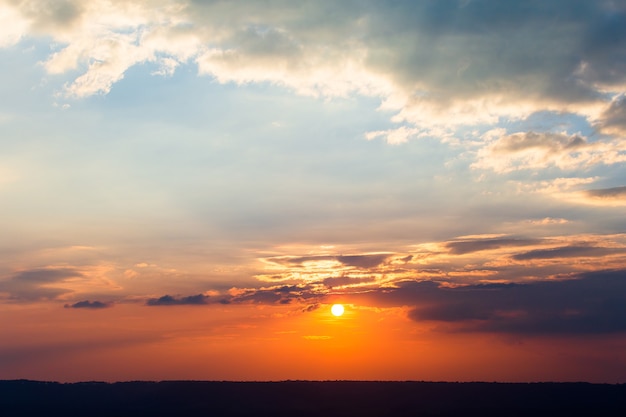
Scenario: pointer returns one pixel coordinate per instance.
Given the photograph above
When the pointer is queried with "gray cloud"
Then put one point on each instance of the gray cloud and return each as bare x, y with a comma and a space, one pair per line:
566, 252
34, 284
285, 294
168, 300
613, 120
300, 260
593, 303
346, 280
550, 142
608, 193
359, 261
461, 247
42, 276
362, 261
89, 305
441, 57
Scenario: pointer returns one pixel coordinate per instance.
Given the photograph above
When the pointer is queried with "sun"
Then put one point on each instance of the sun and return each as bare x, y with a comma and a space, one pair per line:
337, 310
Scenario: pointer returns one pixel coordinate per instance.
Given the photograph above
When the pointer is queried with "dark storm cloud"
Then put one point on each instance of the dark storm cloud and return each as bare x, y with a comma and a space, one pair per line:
168, 300
566, 252
593, 303
89, 305
475, 245
34, 284
608, 193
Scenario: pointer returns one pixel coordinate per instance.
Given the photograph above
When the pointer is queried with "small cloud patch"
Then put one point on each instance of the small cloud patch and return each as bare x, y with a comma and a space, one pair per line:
94, 305
169, 300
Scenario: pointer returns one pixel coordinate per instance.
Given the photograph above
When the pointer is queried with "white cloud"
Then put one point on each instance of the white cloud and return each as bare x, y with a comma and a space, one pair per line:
530, 150
12, 26
435, 64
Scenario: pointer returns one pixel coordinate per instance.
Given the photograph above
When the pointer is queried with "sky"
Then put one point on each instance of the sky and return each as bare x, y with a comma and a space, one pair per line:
187, 186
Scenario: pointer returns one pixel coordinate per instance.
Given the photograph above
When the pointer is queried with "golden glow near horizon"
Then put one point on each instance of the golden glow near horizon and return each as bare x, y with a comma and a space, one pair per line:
337, 310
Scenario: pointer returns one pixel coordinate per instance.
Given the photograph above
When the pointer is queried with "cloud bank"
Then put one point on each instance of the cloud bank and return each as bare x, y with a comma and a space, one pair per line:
435, 64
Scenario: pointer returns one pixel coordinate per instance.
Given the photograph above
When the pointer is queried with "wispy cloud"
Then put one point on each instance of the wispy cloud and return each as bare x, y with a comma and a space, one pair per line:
460, 247
43, 283
617, 193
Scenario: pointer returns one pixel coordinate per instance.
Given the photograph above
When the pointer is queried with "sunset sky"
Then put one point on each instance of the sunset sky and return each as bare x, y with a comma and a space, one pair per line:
187, 186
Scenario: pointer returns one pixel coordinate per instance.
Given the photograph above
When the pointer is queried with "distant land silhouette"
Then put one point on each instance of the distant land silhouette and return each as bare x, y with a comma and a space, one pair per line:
26, 398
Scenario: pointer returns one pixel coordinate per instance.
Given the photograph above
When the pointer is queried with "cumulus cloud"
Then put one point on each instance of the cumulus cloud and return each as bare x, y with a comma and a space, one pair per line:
89, 305
436, 64
532, 150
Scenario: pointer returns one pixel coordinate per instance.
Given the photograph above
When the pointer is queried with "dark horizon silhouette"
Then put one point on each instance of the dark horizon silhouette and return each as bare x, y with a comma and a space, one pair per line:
310, 398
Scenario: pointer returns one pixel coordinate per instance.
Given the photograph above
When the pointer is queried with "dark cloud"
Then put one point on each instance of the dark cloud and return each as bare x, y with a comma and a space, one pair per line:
310, 307
511, 47
362, 261
565, 252
35, 284
608, 193
593, 303
89, 304
359, 261
461, 247
550, 142
168, 300
341, 281
300, 260
45, 275
276, 295
613, 120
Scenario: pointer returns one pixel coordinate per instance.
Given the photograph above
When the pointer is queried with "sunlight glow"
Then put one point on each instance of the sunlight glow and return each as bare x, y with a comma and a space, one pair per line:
337, 310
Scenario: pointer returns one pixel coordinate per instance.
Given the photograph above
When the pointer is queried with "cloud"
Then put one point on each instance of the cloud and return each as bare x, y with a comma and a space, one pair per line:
461, 247
346, 281
594, 303
608, 193
532, 150
363, 261
168, 300
435, 64
613, 120
41, 283
566, 252
89, 305
285, 294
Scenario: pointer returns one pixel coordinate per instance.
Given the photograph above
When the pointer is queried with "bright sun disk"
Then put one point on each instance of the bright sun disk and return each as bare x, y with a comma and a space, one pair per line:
337, 310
